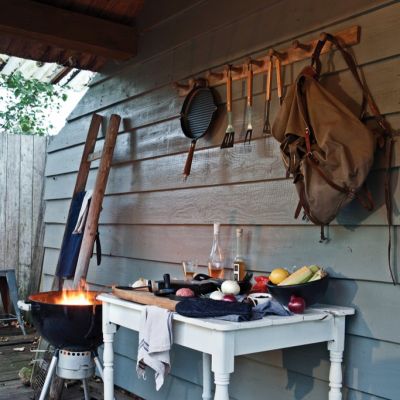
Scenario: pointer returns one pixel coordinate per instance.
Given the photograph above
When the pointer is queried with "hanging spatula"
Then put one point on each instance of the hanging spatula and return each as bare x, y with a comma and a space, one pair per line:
229, 138
249, 110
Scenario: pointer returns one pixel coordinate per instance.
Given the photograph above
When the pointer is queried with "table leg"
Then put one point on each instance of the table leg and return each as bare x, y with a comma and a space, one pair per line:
221, 386
207, 377
109, 330
336, 348
335, 375
222, 362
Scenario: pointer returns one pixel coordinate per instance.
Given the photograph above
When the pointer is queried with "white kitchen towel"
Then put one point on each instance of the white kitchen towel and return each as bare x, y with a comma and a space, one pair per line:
155, 340
80, 223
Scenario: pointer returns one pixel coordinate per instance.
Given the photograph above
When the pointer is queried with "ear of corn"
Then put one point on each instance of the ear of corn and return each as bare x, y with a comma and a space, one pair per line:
300, 276
318, 275
314, 268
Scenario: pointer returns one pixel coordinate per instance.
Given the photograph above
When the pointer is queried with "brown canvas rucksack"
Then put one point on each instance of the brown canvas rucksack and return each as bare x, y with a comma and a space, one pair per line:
327, 149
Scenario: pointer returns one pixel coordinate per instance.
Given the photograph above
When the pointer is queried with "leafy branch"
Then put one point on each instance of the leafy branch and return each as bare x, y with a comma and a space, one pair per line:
25, 104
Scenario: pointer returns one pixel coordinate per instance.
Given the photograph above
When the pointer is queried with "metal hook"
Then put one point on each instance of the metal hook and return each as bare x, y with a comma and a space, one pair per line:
277, 54
298, 45
216, 75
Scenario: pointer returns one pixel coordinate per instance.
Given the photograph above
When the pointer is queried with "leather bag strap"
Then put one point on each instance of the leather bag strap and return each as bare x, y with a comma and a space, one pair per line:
385, 140
349, 59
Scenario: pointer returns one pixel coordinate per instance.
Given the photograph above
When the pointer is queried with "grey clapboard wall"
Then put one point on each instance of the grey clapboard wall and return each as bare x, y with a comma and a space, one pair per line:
151, 220
22, 163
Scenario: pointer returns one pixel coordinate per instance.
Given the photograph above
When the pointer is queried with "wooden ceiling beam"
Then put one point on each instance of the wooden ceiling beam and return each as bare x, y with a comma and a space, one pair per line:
67, 30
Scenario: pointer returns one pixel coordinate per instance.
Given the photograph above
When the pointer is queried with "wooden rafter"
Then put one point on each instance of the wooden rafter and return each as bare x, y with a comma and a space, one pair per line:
66, 29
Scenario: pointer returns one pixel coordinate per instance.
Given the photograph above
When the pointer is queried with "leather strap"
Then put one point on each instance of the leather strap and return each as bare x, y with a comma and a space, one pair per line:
367, 97
385, 140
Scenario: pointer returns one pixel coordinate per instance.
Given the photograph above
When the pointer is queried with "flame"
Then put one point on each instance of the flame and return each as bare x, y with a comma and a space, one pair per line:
76, 298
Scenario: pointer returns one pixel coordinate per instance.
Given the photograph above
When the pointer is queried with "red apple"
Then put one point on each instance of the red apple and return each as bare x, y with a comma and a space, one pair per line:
296, 304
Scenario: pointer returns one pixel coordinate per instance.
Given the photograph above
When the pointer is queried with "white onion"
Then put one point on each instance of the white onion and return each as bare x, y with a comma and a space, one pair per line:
140, 282
217, 295
230, 287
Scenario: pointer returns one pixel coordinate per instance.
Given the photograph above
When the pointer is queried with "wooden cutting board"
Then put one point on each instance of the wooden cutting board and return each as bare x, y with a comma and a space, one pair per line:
145, 297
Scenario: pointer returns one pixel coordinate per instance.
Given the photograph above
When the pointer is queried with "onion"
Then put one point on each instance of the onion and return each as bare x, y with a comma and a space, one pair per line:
217, 295
140, 282
230, 287
185, 292
296, 304
229, 297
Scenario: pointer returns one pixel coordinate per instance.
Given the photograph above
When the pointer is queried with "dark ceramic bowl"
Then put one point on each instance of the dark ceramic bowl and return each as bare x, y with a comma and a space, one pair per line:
311, 292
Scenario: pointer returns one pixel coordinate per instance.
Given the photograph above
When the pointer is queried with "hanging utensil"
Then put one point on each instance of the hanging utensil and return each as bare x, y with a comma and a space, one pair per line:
197, 115
267, 105
279, 86
229, 138
249, 109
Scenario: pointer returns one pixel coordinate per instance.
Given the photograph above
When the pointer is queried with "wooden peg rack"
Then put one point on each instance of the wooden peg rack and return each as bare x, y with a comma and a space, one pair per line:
299, 51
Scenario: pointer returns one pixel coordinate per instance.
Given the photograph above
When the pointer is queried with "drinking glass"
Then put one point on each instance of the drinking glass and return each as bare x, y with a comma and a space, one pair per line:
189, 269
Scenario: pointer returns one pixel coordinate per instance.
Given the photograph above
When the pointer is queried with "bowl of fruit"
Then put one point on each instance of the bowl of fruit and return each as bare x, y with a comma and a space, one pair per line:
308, 283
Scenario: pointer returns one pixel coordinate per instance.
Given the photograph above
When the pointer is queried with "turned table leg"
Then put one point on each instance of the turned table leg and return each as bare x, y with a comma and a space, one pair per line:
335, 375
109, 330
222, 362
221, 386
207, 377
336, 348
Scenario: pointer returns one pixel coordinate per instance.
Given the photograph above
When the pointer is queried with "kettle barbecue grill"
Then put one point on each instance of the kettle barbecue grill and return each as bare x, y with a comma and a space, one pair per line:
74, 330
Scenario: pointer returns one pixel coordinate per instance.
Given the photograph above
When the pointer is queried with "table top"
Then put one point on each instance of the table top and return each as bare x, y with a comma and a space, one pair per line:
314, 313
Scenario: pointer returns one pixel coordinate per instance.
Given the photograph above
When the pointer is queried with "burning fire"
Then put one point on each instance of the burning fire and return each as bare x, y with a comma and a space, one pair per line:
76, 298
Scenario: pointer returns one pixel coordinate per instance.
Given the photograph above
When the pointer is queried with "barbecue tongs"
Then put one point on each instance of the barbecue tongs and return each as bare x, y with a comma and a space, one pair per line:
249, 109
267, 106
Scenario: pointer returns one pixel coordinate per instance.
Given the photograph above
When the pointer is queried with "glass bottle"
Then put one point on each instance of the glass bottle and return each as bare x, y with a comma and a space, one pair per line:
216, 259
239, 264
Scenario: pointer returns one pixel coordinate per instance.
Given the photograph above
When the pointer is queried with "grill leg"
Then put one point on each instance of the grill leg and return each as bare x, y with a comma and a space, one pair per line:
49, 376
98, 365
86, 389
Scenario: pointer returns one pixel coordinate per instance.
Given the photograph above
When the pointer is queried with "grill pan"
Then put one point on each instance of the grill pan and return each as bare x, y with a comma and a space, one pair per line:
197, 115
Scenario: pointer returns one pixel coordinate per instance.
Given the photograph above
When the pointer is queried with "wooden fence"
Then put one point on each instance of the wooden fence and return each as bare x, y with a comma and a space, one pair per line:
22, 162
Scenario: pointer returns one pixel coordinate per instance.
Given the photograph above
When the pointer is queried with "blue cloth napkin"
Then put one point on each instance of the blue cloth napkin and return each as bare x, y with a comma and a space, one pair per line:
270, 307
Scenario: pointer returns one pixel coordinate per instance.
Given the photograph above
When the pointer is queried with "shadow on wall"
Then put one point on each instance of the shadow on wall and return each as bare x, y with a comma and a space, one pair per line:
307, 359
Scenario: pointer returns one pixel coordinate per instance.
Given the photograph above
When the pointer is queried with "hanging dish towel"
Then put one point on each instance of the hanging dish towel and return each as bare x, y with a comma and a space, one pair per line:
80, 224
71, 243
155, 340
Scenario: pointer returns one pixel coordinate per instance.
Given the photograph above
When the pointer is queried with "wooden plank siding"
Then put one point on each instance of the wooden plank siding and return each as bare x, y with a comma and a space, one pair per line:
21, 200
152, 220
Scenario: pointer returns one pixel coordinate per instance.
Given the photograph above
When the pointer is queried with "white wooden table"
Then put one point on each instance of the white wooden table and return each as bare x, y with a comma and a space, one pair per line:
221, 341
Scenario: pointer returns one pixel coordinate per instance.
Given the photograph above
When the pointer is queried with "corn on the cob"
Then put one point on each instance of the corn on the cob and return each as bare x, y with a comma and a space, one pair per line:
314, 268
300, 276
318, 275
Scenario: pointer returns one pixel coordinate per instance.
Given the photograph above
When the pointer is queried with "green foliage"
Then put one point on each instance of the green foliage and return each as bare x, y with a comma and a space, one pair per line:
25, 104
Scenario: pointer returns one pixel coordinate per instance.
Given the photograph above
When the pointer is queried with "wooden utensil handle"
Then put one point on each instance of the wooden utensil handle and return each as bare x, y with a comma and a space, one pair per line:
229, 89
249, 85
269, 80
189, 159
278, 77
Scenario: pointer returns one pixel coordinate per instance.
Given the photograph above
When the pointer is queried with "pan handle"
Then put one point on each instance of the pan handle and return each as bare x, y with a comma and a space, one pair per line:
188, 164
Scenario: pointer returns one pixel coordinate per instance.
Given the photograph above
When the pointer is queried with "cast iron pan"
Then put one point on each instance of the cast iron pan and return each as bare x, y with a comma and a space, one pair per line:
197, 115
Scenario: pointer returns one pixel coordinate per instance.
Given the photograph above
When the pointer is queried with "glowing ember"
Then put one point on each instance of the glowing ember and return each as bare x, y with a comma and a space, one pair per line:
75, 298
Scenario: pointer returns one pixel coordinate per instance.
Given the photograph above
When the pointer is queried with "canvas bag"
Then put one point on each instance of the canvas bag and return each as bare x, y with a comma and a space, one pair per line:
327, 149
